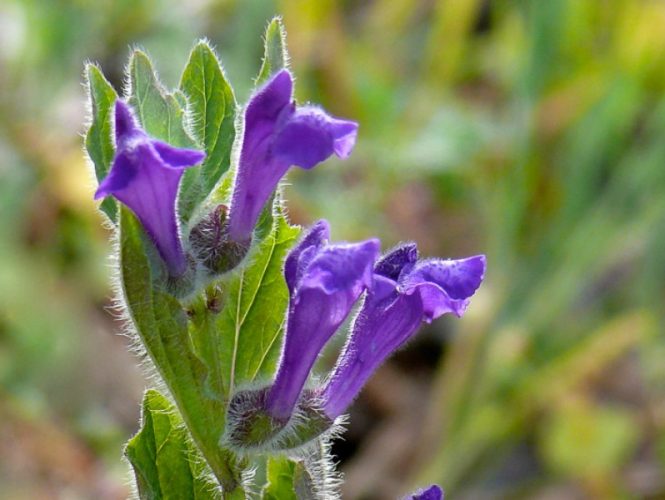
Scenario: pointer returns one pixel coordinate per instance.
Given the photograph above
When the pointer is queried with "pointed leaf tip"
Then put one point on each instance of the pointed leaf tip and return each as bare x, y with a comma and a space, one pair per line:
275, 56
99, 138
212, 106
162, 115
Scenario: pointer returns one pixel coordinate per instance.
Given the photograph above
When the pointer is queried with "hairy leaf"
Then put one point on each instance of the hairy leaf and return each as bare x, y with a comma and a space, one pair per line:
162, 115
161, 325
213, 109
99, 137
275, 56
257, 300
166, 464
241, 343
280, 472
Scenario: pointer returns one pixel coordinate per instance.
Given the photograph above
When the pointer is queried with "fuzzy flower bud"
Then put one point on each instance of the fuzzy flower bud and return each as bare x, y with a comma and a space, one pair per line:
277, 135
405, 293
145, 176
324, 282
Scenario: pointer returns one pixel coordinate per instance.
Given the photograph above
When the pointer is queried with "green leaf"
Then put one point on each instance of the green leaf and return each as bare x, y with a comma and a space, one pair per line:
160, 112
275, 56
161, 324
162, 115
288, 480
99, 138
280, 479
241, 343
255, 311
166, 464
213, 107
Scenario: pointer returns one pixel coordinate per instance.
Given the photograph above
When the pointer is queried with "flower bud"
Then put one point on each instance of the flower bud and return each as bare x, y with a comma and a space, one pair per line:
145, 176
211, 245
277, 135
404, 294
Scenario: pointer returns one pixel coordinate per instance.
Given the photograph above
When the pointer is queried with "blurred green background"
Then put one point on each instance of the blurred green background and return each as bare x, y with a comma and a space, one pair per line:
532, 131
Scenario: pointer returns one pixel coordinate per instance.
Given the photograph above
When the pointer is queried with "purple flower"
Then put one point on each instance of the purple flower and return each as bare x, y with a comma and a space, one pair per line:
145, 175
324, 282
405, 293
434, 492
278, 135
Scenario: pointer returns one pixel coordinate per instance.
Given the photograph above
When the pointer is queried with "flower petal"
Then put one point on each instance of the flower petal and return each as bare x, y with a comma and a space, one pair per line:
392, 313
382, 288
436, 302
178, 157
380, 328
337, 267
151, 195
324, 296
345, 133
276, 136
268, 103
145, 175
317, 236
445, 286
259, 171
434, 492
125, 123
396, 260
122, 171
459, 278
310, 136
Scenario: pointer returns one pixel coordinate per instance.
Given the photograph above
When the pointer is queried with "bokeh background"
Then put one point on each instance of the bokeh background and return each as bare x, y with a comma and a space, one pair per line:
531, 130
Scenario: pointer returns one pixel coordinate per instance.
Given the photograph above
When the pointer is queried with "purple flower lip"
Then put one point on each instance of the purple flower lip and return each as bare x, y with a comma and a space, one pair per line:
145, 176
278, 135
324, 282
404, 294
434, 492
444, 286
